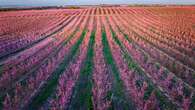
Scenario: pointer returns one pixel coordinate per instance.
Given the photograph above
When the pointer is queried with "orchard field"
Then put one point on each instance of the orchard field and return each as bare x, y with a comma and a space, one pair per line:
98, 58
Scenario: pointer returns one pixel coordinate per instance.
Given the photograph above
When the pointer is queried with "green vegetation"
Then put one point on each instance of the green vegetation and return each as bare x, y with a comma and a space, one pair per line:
50, 86
164, 102
23, 82
148, 92
1, 102
157, 65
82, 95
119, 100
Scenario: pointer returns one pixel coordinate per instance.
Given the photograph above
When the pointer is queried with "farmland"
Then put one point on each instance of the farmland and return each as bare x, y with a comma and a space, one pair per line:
120, 58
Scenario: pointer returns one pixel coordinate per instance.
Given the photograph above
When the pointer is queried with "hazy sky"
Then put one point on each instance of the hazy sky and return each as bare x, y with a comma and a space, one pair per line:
88, 2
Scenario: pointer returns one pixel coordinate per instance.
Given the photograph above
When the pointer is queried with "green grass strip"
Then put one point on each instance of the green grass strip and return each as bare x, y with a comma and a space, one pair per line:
24, 81
192, 105
82, 95
52, 83
164, 103
117, 95
1, 102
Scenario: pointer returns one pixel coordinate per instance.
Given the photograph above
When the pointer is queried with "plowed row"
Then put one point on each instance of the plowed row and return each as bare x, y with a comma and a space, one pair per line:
121, 58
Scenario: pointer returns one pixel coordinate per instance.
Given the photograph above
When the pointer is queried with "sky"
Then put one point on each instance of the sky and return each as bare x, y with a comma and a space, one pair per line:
88, 2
